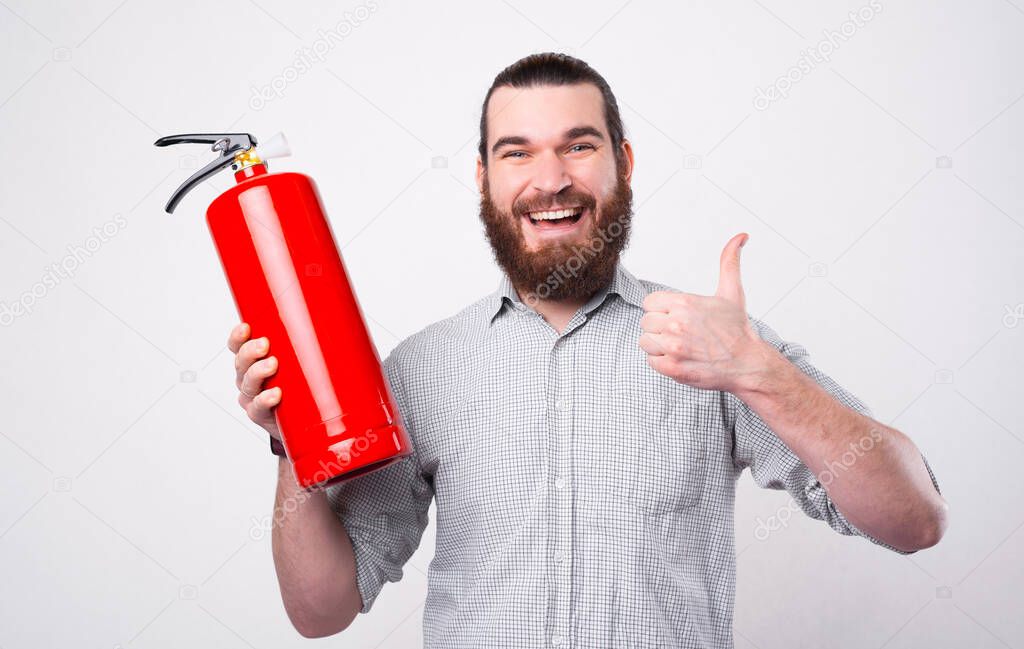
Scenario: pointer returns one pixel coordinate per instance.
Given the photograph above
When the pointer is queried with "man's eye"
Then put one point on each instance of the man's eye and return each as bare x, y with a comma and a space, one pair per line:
577, 147
514, 154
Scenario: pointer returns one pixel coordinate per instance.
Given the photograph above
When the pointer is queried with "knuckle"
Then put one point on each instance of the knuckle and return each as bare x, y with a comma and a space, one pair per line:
254, 410
250, 382
675, 348
249, 349
246, 349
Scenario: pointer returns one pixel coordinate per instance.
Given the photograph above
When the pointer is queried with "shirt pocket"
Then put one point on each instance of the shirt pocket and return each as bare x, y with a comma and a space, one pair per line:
661, 448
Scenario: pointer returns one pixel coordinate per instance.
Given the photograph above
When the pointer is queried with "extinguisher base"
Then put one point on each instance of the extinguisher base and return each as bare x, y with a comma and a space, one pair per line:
316, 471
355, 473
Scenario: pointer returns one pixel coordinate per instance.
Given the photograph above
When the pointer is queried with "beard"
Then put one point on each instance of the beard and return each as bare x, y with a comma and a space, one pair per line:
561, 270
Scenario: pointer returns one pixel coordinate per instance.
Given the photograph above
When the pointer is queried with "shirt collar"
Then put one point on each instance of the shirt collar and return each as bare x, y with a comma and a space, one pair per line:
623, 284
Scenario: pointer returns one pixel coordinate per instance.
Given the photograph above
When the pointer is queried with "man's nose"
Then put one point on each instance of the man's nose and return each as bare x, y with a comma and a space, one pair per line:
551, 176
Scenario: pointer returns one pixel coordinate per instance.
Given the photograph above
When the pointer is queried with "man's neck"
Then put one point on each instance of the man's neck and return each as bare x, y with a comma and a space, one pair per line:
556, 313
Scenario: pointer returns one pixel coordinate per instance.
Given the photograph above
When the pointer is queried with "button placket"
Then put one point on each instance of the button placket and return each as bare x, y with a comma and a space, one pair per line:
559, 575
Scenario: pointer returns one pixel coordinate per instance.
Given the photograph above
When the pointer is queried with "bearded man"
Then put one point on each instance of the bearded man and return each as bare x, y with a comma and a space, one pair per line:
582, 430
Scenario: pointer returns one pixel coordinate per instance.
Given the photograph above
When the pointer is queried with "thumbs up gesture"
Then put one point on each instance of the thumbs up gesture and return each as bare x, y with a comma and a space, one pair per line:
706, 342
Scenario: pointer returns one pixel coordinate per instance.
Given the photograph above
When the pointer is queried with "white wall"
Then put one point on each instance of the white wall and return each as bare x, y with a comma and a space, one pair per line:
134, 499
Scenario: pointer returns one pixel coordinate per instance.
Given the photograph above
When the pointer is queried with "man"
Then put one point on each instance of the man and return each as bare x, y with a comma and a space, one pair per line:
582, 430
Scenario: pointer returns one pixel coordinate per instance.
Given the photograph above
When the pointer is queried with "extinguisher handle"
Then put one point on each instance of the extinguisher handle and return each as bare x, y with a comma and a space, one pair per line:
228, 144
234, 141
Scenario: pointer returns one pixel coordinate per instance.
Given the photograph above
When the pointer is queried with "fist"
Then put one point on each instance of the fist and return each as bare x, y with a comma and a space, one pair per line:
704, 341
251, 370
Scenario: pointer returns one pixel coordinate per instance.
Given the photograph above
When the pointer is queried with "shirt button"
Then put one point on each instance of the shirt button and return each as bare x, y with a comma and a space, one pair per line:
556, 640
560, 483
559, 556
562, 404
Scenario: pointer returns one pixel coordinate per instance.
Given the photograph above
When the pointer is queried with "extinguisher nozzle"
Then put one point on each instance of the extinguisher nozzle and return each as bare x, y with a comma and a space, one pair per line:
275, 147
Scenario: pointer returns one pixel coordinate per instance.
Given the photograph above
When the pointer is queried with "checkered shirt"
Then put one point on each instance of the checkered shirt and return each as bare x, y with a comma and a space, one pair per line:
583, 500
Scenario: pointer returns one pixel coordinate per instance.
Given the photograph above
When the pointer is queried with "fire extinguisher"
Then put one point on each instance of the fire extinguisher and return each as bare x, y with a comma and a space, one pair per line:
336, 416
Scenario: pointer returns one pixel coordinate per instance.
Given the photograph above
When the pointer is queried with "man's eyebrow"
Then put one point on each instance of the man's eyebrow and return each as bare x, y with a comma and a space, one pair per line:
581, 131
509, 140
571, 134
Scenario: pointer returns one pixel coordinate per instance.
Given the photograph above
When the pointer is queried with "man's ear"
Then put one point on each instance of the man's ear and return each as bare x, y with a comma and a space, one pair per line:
627, 151
480, 171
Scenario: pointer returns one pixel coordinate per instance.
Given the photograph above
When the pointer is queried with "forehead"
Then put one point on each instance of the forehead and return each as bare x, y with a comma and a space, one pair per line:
542, 112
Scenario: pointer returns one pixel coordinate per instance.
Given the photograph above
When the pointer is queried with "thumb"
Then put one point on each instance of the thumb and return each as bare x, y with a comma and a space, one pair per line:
730, 285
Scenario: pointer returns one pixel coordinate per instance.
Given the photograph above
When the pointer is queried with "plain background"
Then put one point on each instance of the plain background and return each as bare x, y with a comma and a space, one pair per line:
882, 195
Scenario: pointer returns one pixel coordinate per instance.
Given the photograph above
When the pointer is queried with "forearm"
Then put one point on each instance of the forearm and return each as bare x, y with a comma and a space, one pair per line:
313, 558
872, 472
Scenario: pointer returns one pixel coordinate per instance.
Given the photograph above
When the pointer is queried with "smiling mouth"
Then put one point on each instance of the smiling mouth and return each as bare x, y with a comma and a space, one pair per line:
555, 218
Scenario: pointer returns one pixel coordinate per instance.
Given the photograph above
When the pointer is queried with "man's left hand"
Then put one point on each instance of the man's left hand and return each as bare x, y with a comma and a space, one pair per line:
706, 342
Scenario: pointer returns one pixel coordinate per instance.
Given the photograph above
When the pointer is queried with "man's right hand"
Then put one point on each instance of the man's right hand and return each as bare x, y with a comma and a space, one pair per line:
251, 369
313, 556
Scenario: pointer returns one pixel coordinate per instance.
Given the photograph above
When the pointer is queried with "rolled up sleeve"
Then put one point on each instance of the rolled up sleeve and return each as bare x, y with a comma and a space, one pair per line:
384, 512
774, 466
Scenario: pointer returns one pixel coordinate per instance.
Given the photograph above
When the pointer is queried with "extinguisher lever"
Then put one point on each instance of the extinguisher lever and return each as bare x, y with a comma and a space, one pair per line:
195, 179
227, 144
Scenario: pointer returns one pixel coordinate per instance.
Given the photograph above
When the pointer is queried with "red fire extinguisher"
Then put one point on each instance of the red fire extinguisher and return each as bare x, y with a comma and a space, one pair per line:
336, 416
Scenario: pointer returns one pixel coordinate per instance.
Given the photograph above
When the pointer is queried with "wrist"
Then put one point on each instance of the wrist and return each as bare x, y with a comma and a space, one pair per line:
286, 483
277, 447
767, 372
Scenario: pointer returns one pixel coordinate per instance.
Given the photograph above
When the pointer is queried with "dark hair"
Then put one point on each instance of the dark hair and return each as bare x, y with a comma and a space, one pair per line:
555, 69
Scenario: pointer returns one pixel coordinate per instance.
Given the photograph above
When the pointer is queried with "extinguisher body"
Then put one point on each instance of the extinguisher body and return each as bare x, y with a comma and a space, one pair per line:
336, 416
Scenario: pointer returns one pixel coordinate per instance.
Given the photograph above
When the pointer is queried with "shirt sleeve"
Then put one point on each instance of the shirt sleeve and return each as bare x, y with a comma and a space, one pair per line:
774, 466
384, 512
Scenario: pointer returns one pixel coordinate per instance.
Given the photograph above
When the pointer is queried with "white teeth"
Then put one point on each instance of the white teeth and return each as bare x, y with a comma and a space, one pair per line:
556, 214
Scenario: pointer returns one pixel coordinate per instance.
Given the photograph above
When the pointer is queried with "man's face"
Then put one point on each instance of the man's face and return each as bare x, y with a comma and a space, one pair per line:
555, 204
